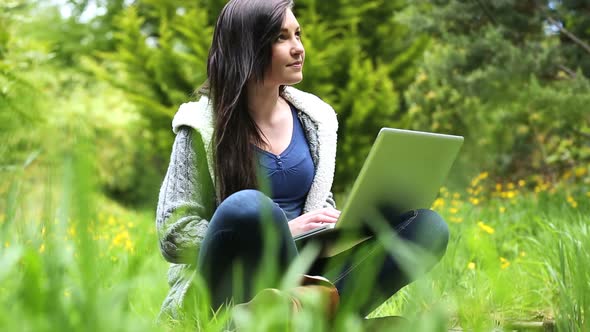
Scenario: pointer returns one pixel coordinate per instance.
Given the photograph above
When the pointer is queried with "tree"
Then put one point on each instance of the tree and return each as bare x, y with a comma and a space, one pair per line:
494, 74
355, 62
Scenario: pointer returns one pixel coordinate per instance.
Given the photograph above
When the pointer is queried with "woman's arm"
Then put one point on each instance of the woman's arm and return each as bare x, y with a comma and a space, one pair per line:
186, 199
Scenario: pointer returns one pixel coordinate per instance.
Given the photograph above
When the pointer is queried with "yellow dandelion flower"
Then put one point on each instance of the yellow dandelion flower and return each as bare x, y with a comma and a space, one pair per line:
522, 254
43, 230
456, 196
471, 266
453, 210
111, 221
510, 186
439, 202
498, 187
129, 246
474, 201
572, 201
483, 176
71, 231
510, 194
504, 263
567, 175
486, 228
502, 209
474, 182
521, 183
455, 203
42, 248
456, 220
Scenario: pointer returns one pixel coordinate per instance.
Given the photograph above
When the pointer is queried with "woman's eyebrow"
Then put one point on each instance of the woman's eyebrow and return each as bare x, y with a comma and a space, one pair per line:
287, 30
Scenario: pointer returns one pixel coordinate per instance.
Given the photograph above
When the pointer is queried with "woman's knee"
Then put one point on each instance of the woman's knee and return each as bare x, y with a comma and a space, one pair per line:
433, 231
245, 208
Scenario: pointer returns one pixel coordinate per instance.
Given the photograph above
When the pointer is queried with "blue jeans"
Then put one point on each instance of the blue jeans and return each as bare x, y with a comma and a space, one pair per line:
234, 249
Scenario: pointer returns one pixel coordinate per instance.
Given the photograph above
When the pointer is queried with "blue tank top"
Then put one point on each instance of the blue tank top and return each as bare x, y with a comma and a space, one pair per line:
291, 173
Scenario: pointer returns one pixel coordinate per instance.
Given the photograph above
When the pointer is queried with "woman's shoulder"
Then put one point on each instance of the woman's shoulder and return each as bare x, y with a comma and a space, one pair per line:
194, 114
317, 109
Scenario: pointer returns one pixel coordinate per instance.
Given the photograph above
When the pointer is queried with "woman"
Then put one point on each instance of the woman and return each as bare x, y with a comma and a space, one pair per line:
210, 208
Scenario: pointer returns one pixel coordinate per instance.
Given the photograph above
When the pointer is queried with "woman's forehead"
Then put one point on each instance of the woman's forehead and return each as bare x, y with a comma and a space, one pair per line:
290, 21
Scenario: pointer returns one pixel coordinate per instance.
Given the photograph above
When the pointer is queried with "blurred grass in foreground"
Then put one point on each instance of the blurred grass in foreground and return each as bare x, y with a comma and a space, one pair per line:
71, 260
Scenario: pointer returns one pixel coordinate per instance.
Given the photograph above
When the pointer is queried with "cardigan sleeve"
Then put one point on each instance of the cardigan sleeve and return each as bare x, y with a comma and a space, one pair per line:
186, 200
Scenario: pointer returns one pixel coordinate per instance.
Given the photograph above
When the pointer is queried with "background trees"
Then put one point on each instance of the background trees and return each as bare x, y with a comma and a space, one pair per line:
512, 76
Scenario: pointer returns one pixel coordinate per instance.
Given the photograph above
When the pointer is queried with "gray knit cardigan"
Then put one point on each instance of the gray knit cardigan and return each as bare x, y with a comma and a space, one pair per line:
188, 199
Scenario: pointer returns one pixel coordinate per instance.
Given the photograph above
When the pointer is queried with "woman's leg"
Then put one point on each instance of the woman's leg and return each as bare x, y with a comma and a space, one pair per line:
368, 274
248, 233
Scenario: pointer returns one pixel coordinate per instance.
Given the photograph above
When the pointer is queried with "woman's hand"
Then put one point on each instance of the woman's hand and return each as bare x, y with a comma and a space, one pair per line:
313, 219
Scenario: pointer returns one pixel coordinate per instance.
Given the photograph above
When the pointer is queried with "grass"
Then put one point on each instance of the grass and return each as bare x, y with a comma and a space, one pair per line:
72, 260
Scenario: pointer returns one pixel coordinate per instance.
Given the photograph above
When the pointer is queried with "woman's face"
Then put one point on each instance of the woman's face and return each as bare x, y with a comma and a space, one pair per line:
288, 54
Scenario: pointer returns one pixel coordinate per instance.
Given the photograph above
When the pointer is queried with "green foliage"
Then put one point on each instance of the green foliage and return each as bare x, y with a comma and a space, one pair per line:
496, 81
161, 50
19, 93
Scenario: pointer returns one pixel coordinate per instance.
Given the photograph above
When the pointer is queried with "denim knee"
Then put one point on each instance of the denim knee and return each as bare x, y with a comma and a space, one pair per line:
435, 231
245, 208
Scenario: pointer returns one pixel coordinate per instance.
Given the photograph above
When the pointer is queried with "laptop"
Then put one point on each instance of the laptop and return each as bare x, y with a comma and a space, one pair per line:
404, 169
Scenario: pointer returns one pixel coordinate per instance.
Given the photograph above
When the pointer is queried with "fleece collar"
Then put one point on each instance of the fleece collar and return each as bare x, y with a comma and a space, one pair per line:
199, 115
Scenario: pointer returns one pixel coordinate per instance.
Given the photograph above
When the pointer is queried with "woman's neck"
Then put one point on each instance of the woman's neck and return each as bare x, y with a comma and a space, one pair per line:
264, 103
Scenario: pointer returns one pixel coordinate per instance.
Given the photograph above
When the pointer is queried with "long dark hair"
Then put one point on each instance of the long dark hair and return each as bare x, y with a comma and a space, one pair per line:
241, 51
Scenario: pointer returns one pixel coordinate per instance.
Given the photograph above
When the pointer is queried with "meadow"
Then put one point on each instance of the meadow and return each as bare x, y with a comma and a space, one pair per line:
72, 260
88, 90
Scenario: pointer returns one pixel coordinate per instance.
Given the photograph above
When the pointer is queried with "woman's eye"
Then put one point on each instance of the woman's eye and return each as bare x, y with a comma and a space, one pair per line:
286, 37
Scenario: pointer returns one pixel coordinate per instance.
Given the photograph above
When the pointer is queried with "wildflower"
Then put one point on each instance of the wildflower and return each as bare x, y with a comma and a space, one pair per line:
504, 263
471, 266
502, 209
129, 246
588, 193
67, 293
474, 201
43, 230
486, 228
510, 194
572, 201
521, 183
510, 186
566, 175
439, 202
456, 220
71, 231
453, 210
431, 95
522, 254
498, 187
456, 196
42, 248
111, 221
